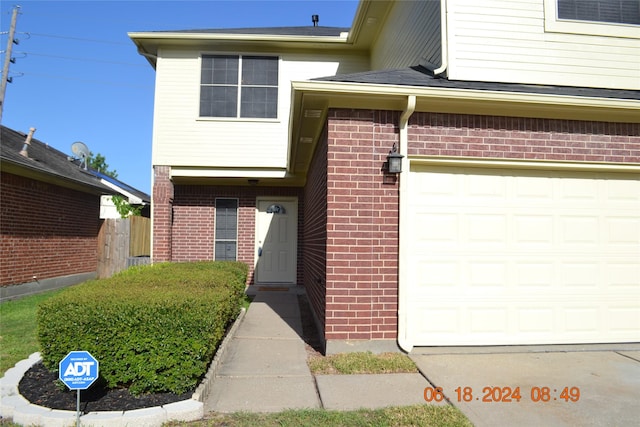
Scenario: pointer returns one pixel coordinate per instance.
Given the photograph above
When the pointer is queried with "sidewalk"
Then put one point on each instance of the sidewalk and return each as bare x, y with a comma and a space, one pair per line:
265, 368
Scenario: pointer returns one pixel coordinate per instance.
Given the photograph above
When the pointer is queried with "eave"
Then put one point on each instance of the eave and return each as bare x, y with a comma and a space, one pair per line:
51, 178
318, 96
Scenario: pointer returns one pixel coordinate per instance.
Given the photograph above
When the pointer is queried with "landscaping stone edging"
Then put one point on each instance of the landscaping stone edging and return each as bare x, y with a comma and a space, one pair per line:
15, 407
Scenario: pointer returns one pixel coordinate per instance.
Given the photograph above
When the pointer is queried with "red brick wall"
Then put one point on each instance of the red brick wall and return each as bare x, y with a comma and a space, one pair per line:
362, 227
315, 230
45, 230
520, 138
161, 214
362, 204
184, 223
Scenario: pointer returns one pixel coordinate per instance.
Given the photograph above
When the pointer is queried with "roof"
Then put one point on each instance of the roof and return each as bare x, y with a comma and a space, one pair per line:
274, 31
422, 77
122, 187
45, 163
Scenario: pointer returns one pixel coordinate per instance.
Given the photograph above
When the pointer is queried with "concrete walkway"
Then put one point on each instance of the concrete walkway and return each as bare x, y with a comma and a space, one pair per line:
265, 370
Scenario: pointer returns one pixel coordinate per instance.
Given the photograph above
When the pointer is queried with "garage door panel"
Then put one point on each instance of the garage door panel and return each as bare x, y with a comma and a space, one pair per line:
502, 257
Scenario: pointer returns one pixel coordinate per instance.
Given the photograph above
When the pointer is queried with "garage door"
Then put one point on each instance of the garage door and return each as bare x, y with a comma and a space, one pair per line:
503, 256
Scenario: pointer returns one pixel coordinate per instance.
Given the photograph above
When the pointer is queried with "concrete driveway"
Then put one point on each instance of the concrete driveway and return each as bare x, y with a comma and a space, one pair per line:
549, 379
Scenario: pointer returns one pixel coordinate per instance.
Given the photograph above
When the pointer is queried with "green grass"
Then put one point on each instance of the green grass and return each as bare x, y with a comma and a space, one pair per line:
361, 363
18, 329
416, 415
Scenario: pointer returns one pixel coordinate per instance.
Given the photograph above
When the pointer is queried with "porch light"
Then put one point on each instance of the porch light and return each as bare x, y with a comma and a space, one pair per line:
394, 160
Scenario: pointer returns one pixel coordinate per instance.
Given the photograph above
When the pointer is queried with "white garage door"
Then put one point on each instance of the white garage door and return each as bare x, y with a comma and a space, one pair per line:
503, 256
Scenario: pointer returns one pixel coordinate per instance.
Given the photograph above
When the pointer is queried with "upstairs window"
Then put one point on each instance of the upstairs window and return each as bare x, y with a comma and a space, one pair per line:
611, 11
239, 86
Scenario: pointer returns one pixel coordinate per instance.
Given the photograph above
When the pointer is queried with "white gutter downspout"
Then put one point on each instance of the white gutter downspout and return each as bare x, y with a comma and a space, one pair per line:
444, 52
403, 226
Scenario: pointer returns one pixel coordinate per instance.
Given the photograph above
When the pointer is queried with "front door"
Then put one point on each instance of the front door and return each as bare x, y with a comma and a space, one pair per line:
276, 240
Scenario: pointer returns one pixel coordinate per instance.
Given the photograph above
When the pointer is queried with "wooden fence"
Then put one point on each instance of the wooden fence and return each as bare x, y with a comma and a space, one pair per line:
122, 243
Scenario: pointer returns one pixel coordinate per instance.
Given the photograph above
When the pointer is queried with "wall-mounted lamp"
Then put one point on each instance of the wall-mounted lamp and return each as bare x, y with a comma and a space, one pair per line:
394, 160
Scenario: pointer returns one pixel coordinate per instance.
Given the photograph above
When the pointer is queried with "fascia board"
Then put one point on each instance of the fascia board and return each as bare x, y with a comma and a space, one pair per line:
472, 101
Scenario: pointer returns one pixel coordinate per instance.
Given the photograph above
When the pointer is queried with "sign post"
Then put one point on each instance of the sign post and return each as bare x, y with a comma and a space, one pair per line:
78, 370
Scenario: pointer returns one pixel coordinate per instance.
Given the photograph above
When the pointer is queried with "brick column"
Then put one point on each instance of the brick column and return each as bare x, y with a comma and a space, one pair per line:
162, 213
362, 227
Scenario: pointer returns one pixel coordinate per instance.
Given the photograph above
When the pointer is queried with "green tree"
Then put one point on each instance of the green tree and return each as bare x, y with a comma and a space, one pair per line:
99, 163
124, 208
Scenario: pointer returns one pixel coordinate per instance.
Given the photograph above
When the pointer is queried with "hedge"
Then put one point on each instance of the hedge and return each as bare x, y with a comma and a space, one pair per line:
152, 328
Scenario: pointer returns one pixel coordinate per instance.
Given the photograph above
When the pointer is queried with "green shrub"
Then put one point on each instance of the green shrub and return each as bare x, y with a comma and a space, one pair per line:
152, 328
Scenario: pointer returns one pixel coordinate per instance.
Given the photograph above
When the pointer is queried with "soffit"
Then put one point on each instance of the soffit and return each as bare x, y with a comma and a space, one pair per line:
311, 101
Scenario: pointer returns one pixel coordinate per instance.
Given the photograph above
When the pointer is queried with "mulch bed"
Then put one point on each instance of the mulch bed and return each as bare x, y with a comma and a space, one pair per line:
40, 387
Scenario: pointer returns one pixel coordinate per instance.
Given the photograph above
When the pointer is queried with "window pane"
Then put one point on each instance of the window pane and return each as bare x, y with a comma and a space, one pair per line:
226, 229
225, 251
219, 69
261, 102
615, 11
258, 70
218, 101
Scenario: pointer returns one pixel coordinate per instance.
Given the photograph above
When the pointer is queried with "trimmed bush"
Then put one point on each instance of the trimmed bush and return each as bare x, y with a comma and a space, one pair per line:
152, 328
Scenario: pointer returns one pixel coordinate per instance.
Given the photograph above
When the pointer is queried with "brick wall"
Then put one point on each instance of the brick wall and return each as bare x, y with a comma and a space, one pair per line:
521, 138
184, 222
161, 214
362, 227
45, 230
315, 230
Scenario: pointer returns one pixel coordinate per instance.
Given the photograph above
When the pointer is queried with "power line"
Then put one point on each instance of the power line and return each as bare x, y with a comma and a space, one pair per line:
78, 38
83, 59
103, 82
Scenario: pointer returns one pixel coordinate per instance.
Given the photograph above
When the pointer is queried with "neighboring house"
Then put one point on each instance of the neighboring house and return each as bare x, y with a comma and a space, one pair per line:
515, 219
49, 216
130, 195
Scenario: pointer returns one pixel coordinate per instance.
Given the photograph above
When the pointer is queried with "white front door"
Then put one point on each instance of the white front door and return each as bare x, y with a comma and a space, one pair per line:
276, 240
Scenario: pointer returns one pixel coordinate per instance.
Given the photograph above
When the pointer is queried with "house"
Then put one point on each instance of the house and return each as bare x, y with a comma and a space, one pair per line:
515, 218
135, 198
49, 216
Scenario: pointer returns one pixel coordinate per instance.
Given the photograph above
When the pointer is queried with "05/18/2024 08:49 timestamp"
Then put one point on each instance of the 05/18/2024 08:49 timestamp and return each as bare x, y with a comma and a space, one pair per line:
493, 394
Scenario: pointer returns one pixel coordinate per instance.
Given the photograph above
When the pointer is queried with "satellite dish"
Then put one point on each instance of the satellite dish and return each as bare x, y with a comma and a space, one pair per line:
81, 151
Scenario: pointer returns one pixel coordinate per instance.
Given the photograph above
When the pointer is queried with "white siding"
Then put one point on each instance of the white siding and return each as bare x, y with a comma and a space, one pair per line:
411, 35
506, 41
181, 138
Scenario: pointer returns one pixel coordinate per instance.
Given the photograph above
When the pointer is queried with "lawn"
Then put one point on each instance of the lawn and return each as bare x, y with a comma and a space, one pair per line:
18, 329
416, 415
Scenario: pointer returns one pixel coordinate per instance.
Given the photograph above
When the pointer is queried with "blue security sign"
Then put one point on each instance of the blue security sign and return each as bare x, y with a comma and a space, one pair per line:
78, 370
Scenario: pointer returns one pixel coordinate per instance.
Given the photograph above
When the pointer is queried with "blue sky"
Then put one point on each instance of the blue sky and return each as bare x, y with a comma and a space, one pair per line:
78, 77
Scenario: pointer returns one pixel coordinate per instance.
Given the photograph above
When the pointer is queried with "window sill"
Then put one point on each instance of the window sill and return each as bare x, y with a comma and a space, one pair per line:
236, 120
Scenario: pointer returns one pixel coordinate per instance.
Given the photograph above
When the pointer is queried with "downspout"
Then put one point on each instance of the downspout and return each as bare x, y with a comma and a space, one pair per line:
444, 53
403, 226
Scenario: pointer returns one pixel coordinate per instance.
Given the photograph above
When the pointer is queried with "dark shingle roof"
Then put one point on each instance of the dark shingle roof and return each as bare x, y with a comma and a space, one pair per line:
421, 77
45, 159
271, 31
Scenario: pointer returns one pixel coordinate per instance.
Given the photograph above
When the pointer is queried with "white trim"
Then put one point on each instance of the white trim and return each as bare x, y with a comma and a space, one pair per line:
591, 28
633, 168
186, 172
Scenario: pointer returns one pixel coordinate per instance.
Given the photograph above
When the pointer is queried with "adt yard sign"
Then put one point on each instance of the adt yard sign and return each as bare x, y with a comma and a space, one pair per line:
78, 370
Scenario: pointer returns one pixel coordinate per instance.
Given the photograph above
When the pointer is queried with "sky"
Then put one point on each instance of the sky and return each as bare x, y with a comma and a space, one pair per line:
77, 75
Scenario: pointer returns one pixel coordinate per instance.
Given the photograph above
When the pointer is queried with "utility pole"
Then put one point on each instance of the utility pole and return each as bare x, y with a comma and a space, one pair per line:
7, 58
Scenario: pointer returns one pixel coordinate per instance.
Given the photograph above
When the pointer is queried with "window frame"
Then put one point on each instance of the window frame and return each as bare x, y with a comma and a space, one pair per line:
216, 240
553, 24
238, 116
